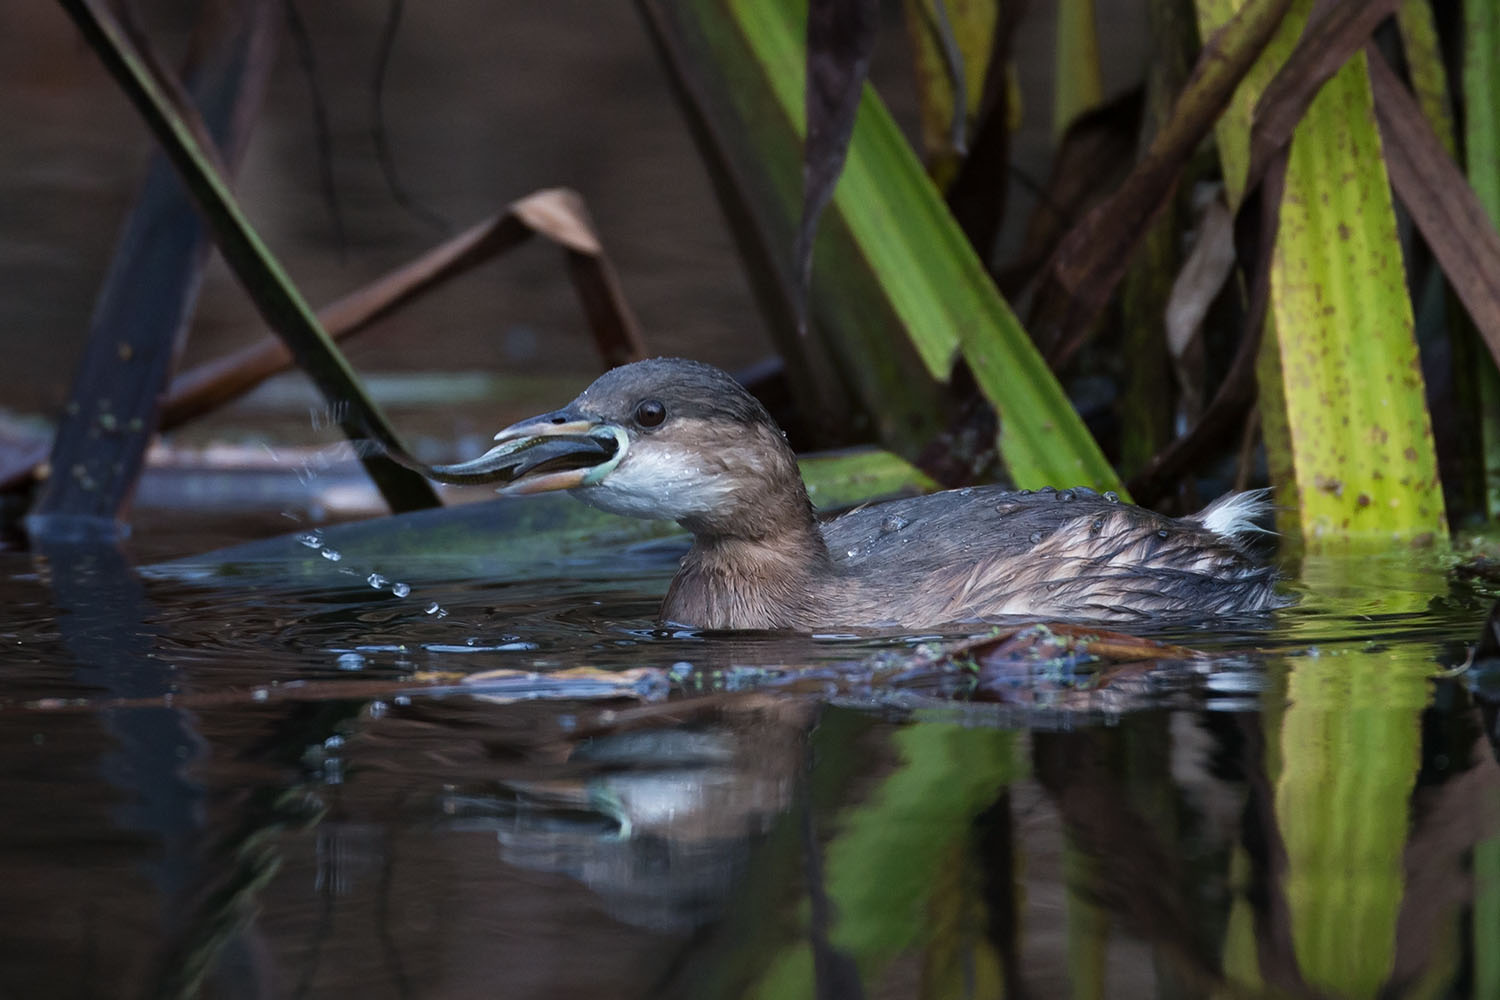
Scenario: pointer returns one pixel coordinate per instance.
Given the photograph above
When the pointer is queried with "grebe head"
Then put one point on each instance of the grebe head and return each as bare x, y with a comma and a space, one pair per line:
666, 438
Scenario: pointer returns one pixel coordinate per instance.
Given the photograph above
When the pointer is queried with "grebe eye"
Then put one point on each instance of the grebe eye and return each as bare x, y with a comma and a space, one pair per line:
650, 412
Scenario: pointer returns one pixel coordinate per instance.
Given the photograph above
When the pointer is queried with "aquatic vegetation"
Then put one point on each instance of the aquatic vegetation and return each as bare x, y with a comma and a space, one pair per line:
893, 312
449, 728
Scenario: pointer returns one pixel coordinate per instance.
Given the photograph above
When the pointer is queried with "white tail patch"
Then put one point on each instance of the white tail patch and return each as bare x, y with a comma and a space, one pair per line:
1236, 513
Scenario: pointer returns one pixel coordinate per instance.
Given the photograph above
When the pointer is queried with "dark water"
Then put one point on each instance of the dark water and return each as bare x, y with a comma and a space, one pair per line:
238, 787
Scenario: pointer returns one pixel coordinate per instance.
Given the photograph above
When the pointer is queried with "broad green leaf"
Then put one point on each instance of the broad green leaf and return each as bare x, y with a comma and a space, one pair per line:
1361, 439
897, 291
1350, 747
1342, 400
836, 480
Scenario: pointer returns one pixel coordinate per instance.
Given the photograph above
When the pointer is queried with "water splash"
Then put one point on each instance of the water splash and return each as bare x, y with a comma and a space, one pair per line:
327, 417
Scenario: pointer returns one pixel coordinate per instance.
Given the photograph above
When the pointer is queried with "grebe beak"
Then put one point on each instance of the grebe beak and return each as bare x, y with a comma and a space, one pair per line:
562, 450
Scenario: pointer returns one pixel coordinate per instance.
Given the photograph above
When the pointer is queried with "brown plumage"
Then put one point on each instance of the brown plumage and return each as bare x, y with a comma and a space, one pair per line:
682, 440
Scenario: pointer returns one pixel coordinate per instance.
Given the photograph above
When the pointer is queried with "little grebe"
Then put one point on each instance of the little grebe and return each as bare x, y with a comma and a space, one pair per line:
682, 440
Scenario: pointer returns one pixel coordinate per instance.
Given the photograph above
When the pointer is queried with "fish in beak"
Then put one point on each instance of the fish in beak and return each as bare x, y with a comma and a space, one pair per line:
561, 450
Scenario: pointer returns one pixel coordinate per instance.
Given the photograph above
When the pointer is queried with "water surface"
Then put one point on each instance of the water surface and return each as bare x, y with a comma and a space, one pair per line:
235, 786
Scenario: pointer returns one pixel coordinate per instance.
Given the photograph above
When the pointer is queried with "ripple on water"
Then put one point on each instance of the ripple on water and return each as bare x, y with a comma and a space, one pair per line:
213, 631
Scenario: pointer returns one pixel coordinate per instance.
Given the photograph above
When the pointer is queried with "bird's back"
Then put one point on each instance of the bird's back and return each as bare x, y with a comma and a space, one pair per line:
984, 553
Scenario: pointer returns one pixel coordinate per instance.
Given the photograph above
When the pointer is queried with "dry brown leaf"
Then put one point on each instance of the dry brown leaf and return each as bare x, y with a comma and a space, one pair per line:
557, 214
1237, 393
1203, 274
1335, 31
1093, 257
1198, 284
840, 42
1440, 201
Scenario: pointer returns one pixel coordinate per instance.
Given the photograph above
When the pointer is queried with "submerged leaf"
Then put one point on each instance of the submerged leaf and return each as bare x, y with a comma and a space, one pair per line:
839, 480
518, 539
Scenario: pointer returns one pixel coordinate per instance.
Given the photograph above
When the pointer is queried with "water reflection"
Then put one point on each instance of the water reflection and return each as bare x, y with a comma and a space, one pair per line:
1313, 811
102, 615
